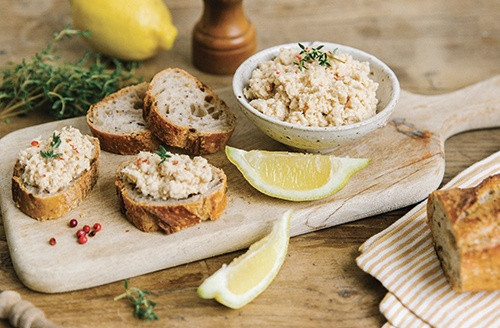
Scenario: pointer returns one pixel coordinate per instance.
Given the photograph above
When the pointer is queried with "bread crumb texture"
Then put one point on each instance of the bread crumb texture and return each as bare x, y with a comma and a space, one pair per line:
178, 176
52, 174
121, 112
318, 96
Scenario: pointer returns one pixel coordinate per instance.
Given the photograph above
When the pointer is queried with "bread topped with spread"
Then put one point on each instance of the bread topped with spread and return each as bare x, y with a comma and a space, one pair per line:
465, 226
117, 121
183, 112
53, 175
168, 192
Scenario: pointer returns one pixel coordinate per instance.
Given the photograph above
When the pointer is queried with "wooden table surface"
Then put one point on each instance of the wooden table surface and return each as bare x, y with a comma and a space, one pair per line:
434, 46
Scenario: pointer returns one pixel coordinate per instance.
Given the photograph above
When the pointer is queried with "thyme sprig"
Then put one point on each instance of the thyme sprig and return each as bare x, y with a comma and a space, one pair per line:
162, 152
55, 143
308, 55
64, 89
144, 308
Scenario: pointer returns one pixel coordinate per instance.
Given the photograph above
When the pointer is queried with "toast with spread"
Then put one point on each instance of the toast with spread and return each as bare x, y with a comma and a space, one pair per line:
54, 175
169, 192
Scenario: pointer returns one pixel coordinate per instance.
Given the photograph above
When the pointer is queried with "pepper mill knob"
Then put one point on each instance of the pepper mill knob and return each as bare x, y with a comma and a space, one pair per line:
223, 38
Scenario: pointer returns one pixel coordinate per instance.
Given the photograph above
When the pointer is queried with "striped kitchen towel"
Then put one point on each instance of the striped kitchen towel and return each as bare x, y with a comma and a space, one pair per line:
402, 257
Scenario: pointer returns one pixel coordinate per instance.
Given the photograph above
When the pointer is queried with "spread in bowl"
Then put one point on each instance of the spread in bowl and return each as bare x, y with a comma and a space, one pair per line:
312, 87
316, 96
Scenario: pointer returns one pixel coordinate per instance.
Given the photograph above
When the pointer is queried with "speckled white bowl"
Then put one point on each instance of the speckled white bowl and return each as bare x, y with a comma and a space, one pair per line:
319, 139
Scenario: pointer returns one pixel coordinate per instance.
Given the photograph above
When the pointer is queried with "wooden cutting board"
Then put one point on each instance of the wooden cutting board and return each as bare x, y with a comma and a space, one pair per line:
407, 164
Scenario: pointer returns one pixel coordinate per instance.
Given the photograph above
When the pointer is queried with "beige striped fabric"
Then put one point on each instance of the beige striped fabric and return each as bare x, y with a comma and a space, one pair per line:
403, 259
405, 318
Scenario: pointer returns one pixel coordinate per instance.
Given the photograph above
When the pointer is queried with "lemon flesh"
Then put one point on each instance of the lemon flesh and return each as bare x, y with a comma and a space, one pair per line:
247, 276
295, 176
128, 30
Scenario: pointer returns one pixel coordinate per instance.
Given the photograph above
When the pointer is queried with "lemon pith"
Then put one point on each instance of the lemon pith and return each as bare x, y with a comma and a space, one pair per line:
131, 30
247, 276
295, 176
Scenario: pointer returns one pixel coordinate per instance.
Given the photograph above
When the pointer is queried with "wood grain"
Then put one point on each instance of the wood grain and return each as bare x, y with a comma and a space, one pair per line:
407, 163
434, 46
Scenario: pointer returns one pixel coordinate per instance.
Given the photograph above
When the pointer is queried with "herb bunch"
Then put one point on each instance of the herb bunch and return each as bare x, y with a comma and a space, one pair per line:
162, 152
143, 307
55, 143
308, 55
64, 89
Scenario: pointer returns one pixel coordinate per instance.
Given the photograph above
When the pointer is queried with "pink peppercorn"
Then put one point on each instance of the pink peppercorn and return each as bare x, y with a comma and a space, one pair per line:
97, 227
82, 239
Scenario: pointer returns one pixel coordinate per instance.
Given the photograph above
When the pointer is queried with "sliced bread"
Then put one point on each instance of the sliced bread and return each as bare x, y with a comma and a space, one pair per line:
49, 185
183, 112
138, 187
465, 226
117, 121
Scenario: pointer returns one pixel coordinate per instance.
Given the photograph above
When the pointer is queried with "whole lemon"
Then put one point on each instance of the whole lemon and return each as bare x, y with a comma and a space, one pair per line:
128, 30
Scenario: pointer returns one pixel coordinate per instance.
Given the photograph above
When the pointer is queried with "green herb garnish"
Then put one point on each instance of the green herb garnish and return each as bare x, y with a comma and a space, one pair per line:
143, 307
162, 152
55, 143
50, 154
64, 89
307, 55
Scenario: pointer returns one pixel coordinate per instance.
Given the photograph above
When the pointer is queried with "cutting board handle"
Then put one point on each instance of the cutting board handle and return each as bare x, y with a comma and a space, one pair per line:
473, 107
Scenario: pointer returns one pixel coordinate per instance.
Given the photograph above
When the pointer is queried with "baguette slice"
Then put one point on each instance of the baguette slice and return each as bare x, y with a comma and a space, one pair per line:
465, 226
45, 206
183, 112
118, 123
171, 215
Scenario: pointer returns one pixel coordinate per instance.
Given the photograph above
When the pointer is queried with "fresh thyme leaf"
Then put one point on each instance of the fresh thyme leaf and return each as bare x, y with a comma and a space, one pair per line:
56, 141
162, 152
144, 308
307, 55
50, 154
64, 89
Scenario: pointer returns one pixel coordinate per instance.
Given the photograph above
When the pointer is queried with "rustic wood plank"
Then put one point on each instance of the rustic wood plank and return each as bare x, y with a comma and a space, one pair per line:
434, 46
407, 163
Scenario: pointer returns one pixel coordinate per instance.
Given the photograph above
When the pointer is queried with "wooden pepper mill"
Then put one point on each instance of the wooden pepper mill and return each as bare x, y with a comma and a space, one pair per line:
223, 38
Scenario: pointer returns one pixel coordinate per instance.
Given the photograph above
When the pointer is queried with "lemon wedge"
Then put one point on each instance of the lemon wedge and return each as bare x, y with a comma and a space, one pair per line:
238, 283
128, 30
295, 176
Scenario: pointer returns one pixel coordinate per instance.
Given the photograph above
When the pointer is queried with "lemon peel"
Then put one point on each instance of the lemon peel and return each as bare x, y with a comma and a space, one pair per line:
130, 30
295, 176
247, 276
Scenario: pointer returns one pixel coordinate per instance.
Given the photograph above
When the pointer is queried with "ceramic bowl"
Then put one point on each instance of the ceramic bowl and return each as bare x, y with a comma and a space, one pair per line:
319, 139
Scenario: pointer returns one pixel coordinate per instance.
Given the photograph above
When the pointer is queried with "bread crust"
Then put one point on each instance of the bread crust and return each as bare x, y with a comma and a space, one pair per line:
186, 137
473, 218
49, 207
123, 144
170, 218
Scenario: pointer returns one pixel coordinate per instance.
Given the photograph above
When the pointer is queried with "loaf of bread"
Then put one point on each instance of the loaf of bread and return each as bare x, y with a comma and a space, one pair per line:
183, 112
465, 226
170, 193
117, 121
54, 175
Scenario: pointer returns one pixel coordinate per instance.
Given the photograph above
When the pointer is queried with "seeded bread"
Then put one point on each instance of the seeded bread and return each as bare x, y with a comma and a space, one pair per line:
149, 214
45, 206
183, 112
465, 226
117, 121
